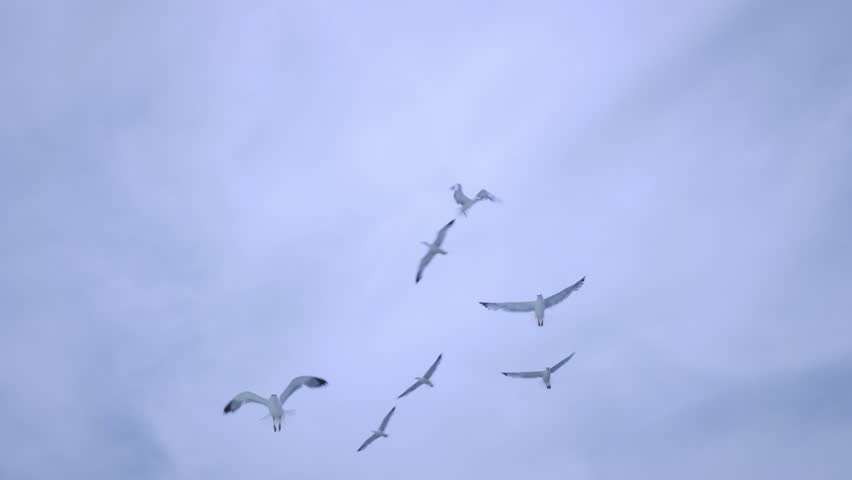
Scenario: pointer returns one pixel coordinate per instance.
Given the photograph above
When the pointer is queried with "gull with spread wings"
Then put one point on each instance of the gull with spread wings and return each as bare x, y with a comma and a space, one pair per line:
539, 305
378, 433
274, 403
425, 379
434, 249
466, 202
544, 375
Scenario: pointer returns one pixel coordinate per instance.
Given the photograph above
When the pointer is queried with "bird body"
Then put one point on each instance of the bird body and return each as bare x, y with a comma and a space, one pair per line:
434, 249
543, 374
465, 202
545, 377
426, 379
537, 306
378, 433
274, 403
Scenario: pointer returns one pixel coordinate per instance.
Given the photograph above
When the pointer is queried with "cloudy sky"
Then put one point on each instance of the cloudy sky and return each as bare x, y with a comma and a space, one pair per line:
205, 198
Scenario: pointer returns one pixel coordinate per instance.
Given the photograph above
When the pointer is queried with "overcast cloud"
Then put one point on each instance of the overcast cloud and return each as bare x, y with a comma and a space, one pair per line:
204, 198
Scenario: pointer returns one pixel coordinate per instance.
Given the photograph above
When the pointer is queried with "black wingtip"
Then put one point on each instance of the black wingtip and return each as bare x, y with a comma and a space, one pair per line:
504, 373
321, 381
484, 304
228, 408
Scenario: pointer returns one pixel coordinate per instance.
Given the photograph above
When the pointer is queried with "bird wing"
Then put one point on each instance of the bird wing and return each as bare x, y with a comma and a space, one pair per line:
486, 195
411, 389
558, 297
459, 196
443, 233
368, 441
509, 306
297, 383
386, 420
433, 367
245, 397
524, 374
562, 362
423, 262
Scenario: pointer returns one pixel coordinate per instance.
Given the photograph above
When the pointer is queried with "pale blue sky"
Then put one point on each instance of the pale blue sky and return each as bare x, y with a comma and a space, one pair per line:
212, 197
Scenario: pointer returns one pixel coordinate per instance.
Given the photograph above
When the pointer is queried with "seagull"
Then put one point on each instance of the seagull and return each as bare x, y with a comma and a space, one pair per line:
466, 202
378, 433
539, 305
544, 374
434, 249
425, 379
275, 402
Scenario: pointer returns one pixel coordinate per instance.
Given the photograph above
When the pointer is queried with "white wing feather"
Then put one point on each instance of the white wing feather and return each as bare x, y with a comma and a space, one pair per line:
368, 441
433, 367
524, 374
562, 362
486, 195
558, 297
510, 306
443, 233
297, 383
423, 262
386, 420
410, 389
245, 397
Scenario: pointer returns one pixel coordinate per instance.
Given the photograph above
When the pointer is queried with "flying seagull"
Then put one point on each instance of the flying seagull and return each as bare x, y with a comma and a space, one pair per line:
425, 379
378, 433
275, 402
544, 374
434, 249
539, 305
466, 202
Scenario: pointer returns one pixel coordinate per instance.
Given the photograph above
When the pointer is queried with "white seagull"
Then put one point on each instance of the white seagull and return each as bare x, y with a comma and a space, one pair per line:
425, 379
274, 403
466, 202
539, 305
378, 433
544, 374
434, 249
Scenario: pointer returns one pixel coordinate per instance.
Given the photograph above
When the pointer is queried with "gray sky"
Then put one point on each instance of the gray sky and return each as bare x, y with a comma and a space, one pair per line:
208, 198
